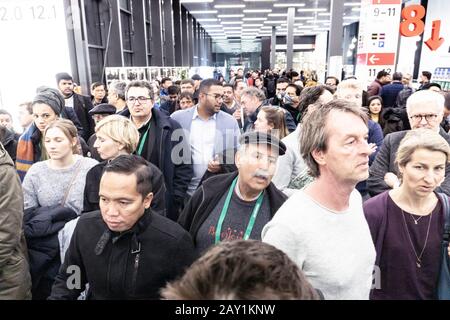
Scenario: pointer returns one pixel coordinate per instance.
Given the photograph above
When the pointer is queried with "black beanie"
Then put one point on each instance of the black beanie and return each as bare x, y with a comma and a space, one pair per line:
50, 97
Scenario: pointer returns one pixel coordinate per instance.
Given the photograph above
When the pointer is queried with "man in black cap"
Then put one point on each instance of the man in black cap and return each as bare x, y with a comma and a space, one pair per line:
80, 104
237, 205
99, 112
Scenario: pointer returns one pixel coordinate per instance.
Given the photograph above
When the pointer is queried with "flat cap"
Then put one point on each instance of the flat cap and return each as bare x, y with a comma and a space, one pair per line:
256, 137
196, 77
103, 108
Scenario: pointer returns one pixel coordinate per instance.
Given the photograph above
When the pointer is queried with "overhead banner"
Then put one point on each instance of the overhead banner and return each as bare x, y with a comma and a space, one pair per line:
378, 38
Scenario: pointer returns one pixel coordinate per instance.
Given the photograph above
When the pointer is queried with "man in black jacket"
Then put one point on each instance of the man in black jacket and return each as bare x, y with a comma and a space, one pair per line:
425, 110
162, 142
125, 251
237, 205
80, 104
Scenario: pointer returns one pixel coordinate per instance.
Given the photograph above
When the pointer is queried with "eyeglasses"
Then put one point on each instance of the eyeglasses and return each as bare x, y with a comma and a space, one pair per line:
216, 96
419, 117
141, 99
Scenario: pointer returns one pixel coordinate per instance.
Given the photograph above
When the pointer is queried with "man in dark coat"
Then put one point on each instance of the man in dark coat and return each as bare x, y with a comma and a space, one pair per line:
222, 206
390, 91
425, 110
80, 104
374, 88
124, 251
162, 142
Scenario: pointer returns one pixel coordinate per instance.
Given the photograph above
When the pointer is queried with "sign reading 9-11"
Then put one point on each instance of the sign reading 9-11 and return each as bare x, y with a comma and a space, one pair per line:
378, 38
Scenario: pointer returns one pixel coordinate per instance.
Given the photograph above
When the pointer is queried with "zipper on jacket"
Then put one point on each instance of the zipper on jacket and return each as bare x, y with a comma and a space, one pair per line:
136, 267
161, 157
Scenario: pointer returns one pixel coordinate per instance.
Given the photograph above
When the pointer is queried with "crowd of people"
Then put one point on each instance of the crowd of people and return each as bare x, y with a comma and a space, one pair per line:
264, 185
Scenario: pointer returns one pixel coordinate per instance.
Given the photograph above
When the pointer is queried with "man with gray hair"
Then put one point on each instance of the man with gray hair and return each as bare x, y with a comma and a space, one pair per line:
116, 95
322, 227
425, 109
252, 99
237, 205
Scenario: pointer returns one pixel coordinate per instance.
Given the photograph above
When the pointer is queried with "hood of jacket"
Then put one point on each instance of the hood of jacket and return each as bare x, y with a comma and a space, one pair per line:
6, 136
5, 159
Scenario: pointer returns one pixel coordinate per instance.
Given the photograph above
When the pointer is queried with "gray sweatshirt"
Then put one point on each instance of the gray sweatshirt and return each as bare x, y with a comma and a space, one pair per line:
44, 186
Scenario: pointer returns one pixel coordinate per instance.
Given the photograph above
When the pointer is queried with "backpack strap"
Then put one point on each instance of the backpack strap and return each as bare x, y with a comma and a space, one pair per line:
445, 201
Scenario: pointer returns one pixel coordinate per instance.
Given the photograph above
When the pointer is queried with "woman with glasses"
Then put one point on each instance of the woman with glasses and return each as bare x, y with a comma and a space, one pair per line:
407, 223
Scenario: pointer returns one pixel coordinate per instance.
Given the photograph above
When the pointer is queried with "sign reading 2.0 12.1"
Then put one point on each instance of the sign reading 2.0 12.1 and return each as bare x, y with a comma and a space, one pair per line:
378, 37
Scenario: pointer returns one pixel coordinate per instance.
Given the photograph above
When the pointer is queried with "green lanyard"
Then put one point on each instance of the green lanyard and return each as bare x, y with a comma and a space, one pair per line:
141, 145
223, 214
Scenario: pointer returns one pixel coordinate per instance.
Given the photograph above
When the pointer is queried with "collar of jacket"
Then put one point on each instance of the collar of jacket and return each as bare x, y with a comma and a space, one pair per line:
8, 136
254, 115
139, 227
4, 157
161, 119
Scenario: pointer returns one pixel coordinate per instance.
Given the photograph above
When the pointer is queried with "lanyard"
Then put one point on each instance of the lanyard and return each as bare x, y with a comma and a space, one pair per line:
223, 214
144, 137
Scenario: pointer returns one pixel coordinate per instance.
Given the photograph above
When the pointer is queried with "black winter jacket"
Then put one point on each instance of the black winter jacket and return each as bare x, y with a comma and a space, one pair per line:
134, 264
206, 197
82, 105
41, 226
176, 175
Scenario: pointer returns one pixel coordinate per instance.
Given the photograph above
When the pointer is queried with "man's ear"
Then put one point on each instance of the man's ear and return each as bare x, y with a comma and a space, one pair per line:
148, 200
319, 156
237, 159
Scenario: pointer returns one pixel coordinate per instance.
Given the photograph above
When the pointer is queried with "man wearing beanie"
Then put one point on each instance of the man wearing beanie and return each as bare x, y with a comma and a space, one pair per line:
80, 104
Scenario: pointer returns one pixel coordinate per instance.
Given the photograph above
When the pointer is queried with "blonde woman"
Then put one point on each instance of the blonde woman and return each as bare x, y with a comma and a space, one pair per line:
53, 196
407, 222
117, 135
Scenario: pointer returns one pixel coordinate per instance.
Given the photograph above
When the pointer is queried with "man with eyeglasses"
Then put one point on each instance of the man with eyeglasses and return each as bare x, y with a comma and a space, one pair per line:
209, 129
160, 137
425, 109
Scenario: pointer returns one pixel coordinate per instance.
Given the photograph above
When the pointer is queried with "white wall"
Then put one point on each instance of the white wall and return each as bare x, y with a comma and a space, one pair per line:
34, 48
429, 60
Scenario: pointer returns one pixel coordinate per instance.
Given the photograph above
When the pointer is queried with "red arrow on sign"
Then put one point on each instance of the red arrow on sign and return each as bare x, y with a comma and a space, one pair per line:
386, 1
380, 59
435, 41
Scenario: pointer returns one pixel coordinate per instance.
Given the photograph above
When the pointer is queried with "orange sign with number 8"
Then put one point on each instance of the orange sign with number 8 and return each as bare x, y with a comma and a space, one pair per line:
415, 20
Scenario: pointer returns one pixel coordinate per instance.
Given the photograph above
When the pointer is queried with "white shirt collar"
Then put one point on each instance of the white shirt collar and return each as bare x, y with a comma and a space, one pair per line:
195, 114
